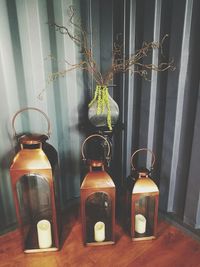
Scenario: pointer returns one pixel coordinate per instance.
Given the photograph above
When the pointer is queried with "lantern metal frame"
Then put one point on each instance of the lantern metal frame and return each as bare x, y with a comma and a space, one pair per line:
31, 160
147, 191
97, 182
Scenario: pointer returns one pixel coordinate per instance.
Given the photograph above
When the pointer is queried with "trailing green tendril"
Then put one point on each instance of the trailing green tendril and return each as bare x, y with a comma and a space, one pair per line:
102, 97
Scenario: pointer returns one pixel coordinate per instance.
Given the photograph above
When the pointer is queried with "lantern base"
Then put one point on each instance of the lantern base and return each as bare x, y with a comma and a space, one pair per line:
40, 250
148, 235
143, 238
31, 243
100, 243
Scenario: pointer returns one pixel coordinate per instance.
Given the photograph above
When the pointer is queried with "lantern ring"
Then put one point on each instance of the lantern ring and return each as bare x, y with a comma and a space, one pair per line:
31, 108
147, 150
91, 136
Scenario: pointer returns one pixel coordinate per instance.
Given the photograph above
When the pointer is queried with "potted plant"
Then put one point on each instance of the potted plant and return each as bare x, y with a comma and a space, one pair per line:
102, 105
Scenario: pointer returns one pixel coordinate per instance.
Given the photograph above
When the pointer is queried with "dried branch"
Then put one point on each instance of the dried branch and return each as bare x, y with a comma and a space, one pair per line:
119, 62
134, 63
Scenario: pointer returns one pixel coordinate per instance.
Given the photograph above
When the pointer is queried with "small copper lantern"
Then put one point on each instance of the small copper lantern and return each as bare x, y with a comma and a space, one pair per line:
97, 202
33, 171
144, 203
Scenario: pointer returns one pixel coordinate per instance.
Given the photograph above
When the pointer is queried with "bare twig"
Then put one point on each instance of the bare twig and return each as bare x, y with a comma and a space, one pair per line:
134, 63
119, 63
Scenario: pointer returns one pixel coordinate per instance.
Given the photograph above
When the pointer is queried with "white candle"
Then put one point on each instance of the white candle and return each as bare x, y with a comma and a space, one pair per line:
140, 224
44, 234
99, 232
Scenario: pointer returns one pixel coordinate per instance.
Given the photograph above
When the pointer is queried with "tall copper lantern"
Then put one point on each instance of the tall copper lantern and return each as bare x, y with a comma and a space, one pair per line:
144, 202
33, 172
97, 202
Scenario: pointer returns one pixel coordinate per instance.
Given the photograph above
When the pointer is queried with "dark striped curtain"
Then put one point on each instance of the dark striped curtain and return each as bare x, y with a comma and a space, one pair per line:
163, 114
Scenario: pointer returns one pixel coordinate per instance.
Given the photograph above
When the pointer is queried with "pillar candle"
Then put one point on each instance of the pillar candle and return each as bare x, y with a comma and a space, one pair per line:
140, 224
99, 232
44, 234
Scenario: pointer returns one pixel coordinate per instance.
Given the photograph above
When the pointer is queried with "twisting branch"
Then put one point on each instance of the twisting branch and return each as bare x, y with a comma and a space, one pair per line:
119, 63
81, 40
133, 64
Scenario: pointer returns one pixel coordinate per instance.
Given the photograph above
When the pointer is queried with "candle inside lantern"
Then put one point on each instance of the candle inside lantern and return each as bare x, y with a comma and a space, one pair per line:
44, 234
99, 232
140, 224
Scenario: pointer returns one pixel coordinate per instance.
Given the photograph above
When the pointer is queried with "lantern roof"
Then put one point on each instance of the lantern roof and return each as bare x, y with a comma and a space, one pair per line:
97, 179
144, 185
30, 159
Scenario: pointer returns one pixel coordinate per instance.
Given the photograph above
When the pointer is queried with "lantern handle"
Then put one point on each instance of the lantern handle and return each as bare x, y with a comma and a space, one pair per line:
91, 136
31, 108
147, 150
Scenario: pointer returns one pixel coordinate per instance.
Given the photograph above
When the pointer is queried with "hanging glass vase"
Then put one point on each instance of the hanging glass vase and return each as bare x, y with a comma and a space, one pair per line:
103, 110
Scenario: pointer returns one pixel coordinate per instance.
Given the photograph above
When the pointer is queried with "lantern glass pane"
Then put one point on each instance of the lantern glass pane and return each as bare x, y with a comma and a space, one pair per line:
144, 224
98, 209
34, 200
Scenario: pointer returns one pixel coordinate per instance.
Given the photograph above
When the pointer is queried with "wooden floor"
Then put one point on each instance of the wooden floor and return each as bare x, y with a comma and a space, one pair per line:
172, 248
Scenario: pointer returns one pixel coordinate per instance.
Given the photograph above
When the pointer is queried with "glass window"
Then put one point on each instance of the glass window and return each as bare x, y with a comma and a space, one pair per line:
98, 209
144, 216
34, 199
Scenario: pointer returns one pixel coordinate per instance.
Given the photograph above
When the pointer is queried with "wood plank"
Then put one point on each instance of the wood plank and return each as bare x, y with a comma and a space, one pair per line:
171, 248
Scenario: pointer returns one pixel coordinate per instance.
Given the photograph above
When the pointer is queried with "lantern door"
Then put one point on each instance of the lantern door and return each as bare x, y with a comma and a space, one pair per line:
36, 213
98, 213
144, 216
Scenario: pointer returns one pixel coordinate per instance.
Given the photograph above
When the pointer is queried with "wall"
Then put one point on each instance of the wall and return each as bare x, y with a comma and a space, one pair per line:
30, 50
163, 114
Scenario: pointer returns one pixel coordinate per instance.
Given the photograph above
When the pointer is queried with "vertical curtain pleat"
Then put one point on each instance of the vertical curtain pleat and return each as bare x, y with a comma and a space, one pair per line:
162, 114
30, 50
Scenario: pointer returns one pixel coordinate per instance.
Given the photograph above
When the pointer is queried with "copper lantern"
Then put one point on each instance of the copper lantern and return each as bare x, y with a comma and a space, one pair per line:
144, 202
97, 202
33, 172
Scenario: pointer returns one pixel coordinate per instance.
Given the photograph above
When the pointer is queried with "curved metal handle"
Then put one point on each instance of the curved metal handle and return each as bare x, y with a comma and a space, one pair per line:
31, 108
143, 149
91, 136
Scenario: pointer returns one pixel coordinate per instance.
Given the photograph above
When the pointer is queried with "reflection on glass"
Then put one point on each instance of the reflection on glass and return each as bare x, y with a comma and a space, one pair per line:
145, 208
34, 204
98, 209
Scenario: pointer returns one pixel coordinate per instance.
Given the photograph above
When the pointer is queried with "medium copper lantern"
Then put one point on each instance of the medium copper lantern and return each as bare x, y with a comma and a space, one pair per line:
143, 202
33, 175
97, 202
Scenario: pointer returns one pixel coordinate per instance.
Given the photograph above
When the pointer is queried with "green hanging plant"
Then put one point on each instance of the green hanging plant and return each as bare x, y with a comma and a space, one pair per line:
101, 95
